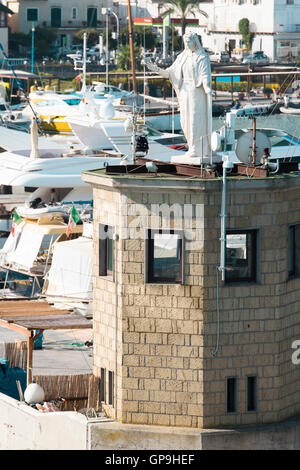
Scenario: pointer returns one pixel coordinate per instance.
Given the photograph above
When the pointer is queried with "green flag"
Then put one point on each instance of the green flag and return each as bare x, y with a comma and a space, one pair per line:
16, 221
73, 220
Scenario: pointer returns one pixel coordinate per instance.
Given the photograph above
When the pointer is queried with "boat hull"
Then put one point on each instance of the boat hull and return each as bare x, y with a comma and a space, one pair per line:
289, 110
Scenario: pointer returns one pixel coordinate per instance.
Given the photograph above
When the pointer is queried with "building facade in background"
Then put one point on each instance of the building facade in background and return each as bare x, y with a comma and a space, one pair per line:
5, 13
275, 23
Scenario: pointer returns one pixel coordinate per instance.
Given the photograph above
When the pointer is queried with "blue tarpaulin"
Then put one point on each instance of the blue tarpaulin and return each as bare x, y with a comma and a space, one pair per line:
228, 79
8, 378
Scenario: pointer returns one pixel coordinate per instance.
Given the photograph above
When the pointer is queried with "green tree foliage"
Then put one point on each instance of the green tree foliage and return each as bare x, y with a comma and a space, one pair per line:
124, 60
43, 38
17, 42
244, 30
92, 36
183, 8
142, 33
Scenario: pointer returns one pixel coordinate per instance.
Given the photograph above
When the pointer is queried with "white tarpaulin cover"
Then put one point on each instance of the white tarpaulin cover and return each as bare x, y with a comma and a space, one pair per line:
70, 274
27, 248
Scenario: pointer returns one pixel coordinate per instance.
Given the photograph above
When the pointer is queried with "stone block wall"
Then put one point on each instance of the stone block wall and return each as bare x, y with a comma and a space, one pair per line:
259, 321
161, 343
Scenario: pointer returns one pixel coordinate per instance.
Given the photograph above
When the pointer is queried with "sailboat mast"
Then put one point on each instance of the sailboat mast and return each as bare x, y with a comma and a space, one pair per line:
254, 143
84, 64
131, 47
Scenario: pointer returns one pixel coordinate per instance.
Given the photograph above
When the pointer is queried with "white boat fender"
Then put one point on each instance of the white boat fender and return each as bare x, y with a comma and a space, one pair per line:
34, 394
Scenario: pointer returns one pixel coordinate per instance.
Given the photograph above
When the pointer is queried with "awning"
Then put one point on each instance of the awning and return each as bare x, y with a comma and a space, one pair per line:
29, 316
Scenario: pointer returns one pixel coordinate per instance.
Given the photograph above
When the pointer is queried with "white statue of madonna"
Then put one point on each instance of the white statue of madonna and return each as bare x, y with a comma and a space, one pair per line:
190, 76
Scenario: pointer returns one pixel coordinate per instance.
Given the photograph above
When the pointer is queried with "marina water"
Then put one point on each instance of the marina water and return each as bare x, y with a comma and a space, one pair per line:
287, 123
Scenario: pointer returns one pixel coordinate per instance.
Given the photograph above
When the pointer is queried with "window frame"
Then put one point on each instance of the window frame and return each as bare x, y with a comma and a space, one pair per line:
51, 19
254, 399
102, 385
253, 278
235, 397
149, 277
74, 10
92, 24
104, 251
37, 14
111, 379
292, 273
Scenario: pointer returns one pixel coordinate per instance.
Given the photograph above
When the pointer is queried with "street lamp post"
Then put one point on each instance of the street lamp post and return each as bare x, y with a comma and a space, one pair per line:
32, 48
118, 26
106, 11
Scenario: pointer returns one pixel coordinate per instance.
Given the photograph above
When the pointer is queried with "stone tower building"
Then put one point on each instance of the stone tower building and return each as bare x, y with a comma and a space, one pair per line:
174, 345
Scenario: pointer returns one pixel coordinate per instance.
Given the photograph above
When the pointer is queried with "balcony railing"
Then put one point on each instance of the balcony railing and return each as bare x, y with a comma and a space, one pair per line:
72, 24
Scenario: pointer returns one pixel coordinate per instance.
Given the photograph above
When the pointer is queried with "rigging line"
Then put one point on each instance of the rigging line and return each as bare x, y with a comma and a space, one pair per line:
39, 73
21, 88
291, 81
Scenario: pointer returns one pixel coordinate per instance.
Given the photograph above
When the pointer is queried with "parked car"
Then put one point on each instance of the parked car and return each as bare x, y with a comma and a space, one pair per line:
219, 57
256, 59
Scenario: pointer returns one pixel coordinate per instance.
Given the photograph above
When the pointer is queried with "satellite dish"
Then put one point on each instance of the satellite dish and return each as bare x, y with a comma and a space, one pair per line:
244, 146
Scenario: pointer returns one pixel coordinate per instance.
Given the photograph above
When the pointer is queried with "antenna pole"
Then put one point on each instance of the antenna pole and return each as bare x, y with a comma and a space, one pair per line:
131, 46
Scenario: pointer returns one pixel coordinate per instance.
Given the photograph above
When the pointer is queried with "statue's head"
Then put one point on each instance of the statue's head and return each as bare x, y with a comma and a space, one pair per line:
192, 41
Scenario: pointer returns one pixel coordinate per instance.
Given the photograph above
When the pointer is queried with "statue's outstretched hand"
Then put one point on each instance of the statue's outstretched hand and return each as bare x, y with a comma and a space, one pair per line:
150, 65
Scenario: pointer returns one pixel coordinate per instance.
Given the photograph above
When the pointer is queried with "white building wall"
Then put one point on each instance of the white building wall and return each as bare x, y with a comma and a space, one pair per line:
287, 16
24, 428
4, 39
228, 13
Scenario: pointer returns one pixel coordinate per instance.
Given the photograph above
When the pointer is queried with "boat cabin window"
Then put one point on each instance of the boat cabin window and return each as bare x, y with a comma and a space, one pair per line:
72, 101
164, 256
241, 256
172, 140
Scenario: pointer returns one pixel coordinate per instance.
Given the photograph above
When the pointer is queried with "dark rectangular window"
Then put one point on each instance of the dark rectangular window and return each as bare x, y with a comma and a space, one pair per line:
164, 256
231, 394
55, 17
102, 385
241, 256
92, 17
110, 387
251, 393
32, 14
106, 250
294, 250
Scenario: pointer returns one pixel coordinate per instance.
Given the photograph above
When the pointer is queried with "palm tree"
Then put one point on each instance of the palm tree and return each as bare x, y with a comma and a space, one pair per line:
124, 60
183, 8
